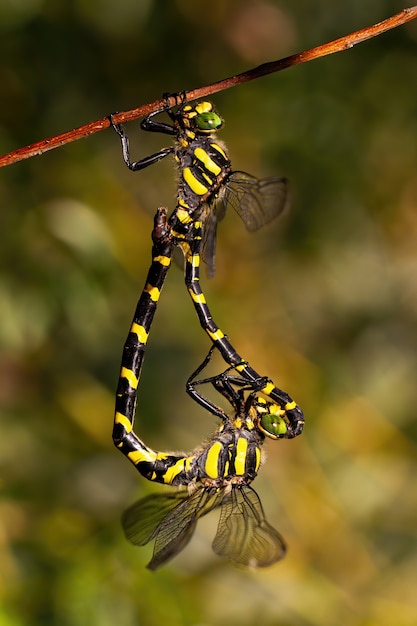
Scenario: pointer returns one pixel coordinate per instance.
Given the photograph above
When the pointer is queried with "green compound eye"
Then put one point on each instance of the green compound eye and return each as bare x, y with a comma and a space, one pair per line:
272, 425
208, 121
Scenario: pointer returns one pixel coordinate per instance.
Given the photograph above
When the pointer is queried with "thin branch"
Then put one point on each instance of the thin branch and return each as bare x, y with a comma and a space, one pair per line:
338, 45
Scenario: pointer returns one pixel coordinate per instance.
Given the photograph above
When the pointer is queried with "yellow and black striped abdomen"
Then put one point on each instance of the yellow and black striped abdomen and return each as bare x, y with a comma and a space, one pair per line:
134, 348
191, 249
169, 468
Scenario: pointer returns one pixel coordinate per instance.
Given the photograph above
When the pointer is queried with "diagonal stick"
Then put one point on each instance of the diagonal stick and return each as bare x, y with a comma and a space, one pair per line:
338, 45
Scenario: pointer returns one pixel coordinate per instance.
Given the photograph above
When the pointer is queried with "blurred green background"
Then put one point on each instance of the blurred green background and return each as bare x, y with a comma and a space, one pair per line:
323, 301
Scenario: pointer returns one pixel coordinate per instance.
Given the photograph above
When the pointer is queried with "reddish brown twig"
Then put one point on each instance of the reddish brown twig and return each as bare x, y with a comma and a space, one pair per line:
338, 45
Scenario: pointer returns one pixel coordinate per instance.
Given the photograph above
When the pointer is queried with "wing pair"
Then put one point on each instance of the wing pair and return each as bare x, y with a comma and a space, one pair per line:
243, 534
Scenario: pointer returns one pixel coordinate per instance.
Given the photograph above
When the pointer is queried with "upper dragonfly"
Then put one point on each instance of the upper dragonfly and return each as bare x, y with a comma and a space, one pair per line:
207, 185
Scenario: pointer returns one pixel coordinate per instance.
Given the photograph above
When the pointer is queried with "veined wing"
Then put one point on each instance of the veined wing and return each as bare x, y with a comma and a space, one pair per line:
209, 242
256, 201
170, 519
141, 520
243, 534
178, 527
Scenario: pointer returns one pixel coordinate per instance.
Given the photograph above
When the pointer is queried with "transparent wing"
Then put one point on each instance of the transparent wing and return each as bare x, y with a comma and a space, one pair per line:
140, 521
257, 201
176, 530
170, 519
243, 534
209, 242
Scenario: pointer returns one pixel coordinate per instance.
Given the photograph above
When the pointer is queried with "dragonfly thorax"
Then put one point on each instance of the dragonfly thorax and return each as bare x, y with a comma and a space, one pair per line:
203, 165
200, 118
232, 456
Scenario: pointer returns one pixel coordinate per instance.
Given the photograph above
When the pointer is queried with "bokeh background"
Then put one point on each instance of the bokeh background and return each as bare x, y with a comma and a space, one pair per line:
323, 301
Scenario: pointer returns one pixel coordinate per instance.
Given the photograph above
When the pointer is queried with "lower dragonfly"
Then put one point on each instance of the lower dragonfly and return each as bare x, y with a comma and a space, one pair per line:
219, 473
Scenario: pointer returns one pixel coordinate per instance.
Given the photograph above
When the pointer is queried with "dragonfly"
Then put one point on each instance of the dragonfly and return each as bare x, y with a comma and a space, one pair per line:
215, 475
207, 186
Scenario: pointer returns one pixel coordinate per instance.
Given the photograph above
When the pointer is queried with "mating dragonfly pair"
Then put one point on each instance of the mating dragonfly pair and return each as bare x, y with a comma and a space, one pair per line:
217, 474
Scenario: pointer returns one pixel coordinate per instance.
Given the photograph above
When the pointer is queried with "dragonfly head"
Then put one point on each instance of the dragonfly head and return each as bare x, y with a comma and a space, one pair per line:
270, 419
202, 118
